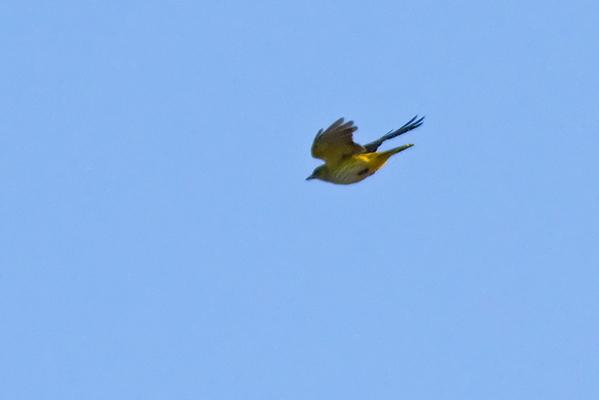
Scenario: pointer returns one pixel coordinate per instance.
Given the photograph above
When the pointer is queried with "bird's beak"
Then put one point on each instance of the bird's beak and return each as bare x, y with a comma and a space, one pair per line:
310, 177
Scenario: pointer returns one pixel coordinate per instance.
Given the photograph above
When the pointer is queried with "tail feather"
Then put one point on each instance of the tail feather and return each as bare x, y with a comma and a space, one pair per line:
389, 153
379, 159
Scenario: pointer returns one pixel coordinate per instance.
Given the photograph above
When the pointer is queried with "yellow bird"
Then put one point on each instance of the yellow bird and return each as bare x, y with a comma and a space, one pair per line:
346, 162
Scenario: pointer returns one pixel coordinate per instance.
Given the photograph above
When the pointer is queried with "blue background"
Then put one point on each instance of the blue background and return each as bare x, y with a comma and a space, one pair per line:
159, 240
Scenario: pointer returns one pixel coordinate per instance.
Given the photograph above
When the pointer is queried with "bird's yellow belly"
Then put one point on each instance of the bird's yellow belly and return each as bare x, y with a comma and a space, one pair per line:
352, 170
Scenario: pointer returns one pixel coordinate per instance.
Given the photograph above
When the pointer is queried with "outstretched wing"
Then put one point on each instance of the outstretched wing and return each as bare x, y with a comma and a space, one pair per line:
408, 126
336, 142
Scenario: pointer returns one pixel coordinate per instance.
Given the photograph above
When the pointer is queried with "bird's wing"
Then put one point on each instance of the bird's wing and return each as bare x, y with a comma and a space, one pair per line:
336, 142
408, 126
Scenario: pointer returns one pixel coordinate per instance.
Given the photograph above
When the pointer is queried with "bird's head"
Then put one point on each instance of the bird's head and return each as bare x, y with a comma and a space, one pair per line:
321, 172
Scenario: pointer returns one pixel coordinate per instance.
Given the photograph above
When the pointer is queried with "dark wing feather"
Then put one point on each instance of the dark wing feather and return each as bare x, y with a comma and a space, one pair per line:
408, 126
336, 142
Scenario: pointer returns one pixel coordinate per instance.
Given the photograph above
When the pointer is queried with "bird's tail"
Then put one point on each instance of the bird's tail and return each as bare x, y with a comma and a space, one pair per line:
408, 126
381, 158
388, 153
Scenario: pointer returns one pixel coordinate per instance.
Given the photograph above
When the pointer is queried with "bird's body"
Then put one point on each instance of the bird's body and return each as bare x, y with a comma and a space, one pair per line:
357, 167
347, 162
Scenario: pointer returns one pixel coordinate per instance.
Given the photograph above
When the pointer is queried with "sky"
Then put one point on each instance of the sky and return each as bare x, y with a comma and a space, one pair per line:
159, 240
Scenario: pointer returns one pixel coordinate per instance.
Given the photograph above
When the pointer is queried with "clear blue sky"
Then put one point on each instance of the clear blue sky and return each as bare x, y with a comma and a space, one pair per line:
159, 240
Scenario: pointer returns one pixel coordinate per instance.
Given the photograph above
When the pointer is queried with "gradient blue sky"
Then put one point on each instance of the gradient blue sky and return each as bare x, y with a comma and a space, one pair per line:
159, 239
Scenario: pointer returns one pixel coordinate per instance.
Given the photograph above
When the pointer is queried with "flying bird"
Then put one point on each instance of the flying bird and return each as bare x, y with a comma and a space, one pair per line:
347, 162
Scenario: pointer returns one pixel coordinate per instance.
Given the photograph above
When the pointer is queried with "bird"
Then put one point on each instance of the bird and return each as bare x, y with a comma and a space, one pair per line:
346, 162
